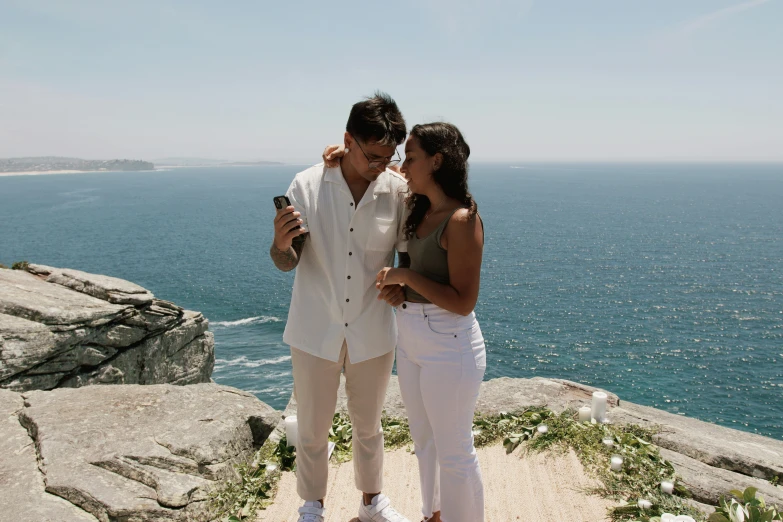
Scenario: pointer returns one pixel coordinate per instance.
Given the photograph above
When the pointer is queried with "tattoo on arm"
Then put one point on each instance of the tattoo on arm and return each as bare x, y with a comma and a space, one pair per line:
288, 260
404, 260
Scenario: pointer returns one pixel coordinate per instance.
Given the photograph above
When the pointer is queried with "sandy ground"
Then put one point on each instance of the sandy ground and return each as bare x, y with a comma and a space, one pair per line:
532, 488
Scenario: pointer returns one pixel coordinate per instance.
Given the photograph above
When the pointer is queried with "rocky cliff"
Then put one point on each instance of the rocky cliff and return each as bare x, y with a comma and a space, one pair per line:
73, 452
63, 328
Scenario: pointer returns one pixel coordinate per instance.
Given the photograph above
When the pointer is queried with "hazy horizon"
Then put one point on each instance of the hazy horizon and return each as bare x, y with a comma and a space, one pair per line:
489, 161
526, 81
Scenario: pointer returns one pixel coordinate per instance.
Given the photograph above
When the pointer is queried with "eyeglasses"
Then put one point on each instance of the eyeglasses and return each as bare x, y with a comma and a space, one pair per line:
374, 164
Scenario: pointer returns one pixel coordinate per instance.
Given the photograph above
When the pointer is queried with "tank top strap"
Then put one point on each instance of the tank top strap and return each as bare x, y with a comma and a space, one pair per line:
442, 227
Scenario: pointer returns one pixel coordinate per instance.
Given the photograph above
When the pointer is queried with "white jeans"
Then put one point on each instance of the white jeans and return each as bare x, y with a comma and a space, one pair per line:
440, 363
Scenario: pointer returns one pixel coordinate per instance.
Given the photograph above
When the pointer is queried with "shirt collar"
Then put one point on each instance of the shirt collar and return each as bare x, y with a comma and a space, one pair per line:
382, 185
334, 175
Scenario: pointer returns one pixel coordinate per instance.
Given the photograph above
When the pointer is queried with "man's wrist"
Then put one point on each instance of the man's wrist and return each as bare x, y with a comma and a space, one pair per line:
281, 250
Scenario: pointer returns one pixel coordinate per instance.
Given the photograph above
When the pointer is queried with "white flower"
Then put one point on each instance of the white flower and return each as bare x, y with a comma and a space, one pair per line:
737, 512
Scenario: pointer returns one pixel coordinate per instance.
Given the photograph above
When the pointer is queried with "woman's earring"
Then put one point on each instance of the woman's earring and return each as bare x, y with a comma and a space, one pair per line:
347, 150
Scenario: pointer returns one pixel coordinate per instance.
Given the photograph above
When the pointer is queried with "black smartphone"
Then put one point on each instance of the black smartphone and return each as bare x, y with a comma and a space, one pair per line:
282, 202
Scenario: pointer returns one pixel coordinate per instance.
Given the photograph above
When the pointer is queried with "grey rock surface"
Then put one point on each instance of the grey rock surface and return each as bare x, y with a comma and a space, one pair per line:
24, 498
29, 297
496, 395
133, 453
111, 289
67, 328
507, 394
738, 451
708, 483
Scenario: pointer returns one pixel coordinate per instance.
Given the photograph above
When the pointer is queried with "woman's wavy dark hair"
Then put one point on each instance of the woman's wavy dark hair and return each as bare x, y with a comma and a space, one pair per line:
452, 175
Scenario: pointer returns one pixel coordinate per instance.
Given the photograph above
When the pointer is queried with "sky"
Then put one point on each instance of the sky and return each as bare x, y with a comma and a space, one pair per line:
527, 80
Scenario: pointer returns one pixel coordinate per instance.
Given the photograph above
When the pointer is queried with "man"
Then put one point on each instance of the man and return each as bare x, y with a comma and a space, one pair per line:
350, 221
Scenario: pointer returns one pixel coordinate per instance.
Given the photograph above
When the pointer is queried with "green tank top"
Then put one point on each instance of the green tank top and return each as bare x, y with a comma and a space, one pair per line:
429, 259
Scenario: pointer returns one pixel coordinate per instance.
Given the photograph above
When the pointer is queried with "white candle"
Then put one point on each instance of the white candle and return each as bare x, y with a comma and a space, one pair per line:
599, 407
608, 443
291, 430
667, 487
543, 429
617, 463
584, 413
644, 504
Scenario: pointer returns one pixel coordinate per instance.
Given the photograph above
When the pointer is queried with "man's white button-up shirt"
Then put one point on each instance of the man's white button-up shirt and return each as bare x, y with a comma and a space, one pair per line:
334, 297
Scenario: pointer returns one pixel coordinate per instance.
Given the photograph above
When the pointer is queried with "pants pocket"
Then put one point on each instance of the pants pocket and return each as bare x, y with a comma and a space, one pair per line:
467, 342
442, 329
475, 340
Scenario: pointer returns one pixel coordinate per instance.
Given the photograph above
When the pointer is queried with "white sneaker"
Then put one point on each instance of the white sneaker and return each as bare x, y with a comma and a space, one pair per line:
379, 511
311, 512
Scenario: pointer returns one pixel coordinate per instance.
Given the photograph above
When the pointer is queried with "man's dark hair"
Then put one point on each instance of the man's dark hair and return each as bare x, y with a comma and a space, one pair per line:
377, 119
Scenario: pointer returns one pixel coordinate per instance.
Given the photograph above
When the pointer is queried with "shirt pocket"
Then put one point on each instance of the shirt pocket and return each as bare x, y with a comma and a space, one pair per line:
382, 234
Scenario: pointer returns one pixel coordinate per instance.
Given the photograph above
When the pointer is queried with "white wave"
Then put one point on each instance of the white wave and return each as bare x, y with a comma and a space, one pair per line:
75, 203
262, 319
278, 374
247, 363
280, 390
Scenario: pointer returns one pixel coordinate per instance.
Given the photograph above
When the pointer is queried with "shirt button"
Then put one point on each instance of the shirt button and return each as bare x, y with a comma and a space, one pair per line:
404, 305
350, 253
347, 300
351, 230
346, 324
351, 204
349, 277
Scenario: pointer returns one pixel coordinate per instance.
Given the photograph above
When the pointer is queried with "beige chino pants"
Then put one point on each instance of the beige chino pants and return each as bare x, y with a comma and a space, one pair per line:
316, 381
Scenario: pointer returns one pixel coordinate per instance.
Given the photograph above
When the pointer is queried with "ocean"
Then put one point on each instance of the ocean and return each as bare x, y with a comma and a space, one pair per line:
662, 283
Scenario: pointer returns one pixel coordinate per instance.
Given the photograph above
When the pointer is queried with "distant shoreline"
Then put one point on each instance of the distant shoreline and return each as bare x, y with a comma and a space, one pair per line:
161, 168
42, 172
59, 172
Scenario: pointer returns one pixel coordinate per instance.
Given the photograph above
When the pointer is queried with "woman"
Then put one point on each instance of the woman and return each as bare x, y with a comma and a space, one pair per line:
440, 352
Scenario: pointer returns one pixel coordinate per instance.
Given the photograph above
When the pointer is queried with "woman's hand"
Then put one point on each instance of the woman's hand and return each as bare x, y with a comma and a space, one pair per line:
331, 155
390, 276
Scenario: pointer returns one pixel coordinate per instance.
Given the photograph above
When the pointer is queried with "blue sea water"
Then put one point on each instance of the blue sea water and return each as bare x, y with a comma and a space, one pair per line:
661, 283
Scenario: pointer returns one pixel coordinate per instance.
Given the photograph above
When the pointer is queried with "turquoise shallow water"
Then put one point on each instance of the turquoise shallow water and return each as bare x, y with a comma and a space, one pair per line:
661, 283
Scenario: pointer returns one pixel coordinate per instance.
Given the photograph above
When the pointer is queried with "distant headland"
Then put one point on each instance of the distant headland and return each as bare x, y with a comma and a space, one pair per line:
61, 165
